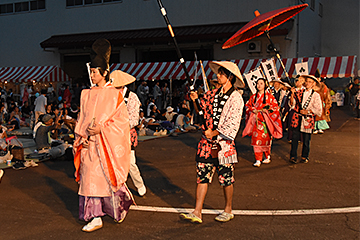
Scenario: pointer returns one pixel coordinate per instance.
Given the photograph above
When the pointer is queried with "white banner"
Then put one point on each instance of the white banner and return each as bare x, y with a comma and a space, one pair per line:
269, 70
302, 68
251, 78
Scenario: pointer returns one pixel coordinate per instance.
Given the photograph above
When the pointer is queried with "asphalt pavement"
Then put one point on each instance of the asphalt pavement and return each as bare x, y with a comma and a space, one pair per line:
42, 202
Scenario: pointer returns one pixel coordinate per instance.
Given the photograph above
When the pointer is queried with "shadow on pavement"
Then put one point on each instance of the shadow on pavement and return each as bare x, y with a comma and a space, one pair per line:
161, 185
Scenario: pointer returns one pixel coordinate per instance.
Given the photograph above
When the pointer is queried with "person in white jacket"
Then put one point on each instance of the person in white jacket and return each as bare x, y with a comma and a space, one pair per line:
119, 80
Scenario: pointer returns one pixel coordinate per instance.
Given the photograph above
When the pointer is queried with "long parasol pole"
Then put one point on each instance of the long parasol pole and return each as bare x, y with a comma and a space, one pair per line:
182, 61
277, 54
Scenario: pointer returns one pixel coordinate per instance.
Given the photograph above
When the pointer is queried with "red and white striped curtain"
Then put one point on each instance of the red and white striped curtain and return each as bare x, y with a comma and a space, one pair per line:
33, 73
330, 67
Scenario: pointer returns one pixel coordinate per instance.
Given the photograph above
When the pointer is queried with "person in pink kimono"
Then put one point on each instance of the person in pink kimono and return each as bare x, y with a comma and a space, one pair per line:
263, 122
222, 109
102, 146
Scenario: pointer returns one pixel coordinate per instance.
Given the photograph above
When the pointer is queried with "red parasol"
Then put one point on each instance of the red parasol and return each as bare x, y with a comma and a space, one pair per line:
262, 23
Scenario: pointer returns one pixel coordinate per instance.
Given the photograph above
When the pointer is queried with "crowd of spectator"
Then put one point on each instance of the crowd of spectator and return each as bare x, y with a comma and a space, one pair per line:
162, 111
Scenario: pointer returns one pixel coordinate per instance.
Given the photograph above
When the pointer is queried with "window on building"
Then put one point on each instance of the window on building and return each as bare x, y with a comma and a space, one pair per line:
312, 5
37, 5
320, 10
22, 7
92, 1
6, 8
112, 1
71, 3
26, 6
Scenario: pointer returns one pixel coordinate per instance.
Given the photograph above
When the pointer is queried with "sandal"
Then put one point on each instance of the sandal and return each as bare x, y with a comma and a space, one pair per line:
293, 160
190, 217
224, 217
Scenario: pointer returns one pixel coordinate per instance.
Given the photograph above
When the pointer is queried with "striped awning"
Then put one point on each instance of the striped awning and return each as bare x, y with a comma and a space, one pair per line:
330, 67
33, 73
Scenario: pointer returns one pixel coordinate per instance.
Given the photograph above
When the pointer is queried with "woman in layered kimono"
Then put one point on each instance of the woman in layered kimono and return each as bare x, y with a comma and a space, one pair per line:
263, 122
102, 147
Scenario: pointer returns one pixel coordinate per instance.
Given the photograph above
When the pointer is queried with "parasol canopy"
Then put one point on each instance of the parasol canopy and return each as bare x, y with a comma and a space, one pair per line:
263, 22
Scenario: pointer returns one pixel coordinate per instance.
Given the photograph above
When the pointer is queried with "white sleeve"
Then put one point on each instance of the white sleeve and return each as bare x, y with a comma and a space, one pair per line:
230, 119
315, 105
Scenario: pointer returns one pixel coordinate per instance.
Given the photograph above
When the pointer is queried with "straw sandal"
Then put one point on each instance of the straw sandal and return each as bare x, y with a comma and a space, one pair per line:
190, 217
224, 217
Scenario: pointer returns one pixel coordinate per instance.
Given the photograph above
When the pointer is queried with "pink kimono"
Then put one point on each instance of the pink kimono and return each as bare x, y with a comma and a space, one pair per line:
103, 167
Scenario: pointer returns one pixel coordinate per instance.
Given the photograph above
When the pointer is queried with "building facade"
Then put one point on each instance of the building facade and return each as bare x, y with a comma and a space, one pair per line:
60, 32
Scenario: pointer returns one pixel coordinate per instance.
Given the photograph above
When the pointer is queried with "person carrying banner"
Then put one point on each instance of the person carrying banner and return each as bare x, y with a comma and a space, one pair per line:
119, 80
102, 146
306, 103
216, 150
263, 122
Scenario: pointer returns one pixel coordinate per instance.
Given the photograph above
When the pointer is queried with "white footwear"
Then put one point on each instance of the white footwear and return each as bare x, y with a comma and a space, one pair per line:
142, 191
95, 224
321, 131
33, 164
27, 164
1, 173
315, 132
257, 163
267, 160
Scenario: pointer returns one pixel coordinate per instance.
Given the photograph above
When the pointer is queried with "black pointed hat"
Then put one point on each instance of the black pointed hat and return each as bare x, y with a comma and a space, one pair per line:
100, 54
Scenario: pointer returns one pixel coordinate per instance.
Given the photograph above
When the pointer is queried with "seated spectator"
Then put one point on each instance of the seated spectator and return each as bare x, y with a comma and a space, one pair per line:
26, 110
4, 150
149, 107
16, 119
170, 114
187, 122
69, 122
11, 106
37, 125
56, 112
144, 131
48, 109
3, 114
161, 116
154, 111
43, 143
73, 111
185, 105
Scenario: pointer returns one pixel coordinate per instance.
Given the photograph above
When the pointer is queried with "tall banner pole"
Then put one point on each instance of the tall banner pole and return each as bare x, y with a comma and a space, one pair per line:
182, 61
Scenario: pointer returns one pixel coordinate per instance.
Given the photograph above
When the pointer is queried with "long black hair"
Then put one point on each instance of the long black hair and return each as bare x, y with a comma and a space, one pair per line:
266, 87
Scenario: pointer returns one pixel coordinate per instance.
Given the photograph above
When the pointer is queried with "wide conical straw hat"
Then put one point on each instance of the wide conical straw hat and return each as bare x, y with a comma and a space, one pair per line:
120, 78
232, 67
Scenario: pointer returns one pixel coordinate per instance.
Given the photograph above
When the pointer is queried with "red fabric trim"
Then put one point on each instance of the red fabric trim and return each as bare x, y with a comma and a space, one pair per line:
109, 164
77, 161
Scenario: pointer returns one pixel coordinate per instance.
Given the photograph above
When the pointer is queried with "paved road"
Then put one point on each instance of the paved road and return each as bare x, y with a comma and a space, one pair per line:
42, 202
